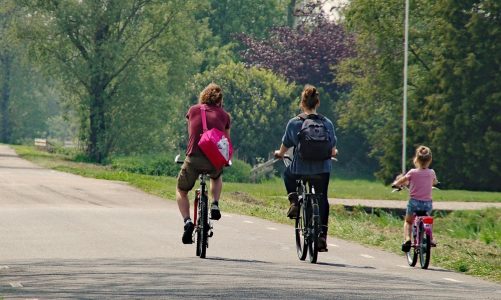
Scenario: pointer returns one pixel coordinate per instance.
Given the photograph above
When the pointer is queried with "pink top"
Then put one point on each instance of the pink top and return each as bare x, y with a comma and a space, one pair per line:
421, 183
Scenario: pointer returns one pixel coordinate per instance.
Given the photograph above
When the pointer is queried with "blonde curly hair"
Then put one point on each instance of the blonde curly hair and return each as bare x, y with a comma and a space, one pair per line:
211, 95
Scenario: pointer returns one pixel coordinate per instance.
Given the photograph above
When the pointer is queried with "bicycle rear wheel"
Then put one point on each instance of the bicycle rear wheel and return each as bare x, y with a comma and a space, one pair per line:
314, 231
198, 231
203, 226
300, 230
412, 255
424, 249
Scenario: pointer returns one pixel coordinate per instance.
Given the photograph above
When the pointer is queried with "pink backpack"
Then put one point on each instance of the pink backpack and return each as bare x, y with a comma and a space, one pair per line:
214, 144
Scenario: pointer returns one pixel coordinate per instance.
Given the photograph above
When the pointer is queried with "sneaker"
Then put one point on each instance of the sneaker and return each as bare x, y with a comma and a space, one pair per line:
215, 214
322, 244
293, 198
406, 246
188, 233
294, 208
293, 211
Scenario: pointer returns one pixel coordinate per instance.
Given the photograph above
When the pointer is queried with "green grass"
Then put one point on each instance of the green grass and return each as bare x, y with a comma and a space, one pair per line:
469, 241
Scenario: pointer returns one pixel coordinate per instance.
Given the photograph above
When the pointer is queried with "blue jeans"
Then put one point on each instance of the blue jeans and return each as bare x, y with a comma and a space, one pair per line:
415, 205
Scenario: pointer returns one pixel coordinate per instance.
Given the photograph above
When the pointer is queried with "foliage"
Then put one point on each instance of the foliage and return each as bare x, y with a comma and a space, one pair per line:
463, 100
238, 172
28, 101
305, 54
230, 17
453, 86
158, 164
259, 102
116, 57
483, 225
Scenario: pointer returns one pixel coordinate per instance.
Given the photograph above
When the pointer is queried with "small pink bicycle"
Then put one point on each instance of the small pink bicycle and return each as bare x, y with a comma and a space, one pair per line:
421, 237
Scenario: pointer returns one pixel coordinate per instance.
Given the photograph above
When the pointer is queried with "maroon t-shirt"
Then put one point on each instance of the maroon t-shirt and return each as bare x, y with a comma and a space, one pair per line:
216, 118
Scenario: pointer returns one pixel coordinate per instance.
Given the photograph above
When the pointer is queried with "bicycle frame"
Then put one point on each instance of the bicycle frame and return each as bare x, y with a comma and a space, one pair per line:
427, 223
203, 224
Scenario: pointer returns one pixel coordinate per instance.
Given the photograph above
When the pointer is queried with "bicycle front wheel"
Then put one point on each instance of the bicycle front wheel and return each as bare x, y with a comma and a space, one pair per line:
314, 231
424, 249
301, 240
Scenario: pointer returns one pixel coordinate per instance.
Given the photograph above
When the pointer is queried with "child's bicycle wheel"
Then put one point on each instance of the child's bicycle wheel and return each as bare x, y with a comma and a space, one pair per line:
412, 254
425, 250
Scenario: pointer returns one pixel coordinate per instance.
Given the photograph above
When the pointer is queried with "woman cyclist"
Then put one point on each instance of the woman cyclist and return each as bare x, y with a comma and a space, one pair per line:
300, 166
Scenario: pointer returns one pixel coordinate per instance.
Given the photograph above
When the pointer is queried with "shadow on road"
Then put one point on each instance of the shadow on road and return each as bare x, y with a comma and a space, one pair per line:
344, 266
238, 260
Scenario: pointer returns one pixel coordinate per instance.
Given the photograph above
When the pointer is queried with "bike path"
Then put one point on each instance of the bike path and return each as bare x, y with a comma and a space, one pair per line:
66, 236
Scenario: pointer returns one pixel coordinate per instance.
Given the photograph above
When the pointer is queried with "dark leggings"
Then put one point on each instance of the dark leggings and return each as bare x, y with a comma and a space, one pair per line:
321, 186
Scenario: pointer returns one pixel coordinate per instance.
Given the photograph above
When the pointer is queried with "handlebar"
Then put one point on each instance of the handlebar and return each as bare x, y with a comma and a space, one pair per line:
177, 160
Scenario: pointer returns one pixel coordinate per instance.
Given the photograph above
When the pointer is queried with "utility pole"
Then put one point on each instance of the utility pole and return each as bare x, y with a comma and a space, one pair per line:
404, 115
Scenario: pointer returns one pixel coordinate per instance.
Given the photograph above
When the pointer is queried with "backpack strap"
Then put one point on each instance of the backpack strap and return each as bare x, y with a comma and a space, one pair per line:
204, 117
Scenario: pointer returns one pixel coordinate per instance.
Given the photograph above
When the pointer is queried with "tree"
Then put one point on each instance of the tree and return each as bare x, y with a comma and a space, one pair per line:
463, 100
7, 55
306, 54
259, 102
453, 99
230, 17
100, 46
27, 99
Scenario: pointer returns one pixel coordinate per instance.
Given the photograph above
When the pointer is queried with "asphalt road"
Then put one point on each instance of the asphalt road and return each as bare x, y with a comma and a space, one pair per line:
65, 236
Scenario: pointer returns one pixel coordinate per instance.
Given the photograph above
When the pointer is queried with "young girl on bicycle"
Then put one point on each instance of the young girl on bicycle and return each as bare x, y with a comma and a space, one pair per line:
420, 181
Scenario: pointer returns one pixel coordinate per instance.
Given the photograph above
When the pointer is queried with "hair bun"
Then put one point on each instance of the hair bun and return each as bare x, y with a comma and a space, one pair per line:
310, 91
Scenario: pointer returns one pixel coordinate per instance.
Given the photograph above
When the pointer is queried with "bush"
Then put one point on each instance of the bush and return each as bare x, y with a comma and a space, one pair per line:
164, 165
238, 172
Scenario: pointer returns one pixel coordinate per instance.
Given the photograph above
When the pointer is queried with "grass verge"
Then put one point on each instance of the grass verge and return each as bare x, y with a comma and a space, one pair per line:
469, 242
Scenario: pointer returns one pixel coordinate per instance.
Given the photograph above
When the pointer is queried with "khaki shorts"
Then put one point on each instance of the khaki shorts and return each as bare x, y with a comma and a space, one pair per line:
192, 167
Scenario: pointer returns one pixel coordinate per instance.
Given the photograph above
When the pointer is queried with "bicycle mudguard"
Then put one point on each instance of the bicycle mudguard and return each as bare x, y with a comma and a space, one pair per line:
428, 220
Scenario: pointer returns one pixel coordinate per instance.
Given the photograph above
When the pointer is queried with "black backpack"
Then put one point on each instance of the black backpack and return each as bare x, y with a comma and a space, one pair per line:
314, 139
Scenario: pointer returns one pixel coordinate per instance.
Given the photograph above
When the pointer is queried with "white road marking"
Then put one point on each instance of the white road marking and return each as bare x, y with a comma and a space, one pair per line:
333, 245
250, 222
366, 256
4, 267
450, 279
16, 284
271, 228
403, 266
226, 215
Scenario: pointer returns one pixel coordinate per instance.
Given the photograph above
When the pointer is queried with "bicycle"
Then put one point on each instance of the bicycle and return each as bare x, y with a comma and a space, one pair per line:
421, 237
203, 224
307, 224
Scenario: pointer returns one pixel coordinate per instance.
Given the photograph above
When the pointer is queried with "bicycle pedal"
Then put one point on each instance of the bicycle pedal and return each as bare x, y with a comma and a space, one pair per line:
211, 233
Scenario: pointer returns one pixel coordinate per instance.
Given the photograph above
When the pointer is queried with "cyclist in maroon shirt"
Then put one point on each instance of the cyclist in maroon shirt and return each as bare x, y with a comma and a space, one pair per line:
196, 162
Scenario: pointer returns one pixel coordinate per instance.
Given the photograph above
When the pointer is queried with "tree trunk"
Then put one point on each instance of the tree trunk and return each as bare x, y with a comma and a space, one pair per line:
290, 13
98, 146
5, 134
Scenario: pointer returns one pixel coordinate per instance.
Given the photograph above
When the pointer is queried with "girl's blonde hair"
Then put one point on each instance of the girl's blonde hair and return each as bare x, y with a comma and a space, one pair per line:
423, 157
212, 94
